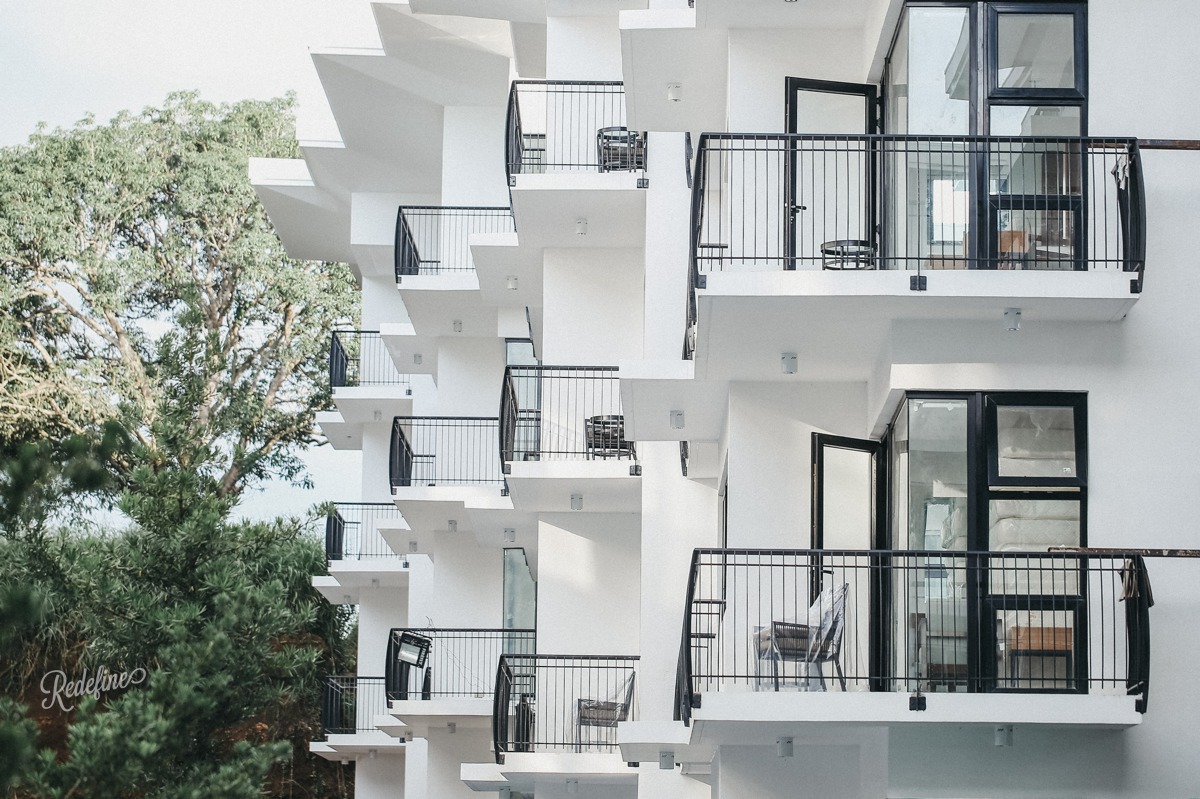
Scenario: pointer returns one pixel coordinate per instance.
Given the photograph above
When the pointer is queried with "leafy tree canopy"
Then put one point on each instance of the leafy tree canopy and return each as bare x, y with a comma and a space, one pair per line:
227, 625
144, 284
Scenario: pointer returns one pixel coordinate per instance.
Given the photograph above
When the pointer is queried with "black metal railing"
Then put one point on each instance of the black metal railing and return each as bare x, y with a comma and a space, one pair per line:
764, 202
570, 126
444, 450
460, 662
562, 412
433, 240
562, 703
360, 358
349, 704
353, 530
913, 621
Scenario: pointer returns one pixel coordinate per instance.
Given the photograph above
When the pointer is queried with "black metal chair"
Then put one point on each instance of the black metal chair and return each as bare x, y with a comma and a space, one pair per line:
619, 149
604, 437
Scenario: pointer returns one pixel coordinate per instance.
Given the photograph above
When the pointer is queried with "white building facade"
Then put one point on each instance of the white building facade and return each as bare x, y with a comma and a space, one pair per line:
762, 398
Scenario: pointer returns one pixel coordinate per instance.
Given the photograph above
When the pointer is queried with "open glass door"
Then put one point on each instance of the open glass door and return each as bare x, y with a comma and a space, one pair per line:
849, 490
830, 204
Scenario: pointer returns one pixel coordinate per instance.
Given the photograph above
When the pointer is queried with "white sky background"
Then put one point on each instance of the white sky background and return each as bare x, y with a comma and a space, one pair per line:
63, 59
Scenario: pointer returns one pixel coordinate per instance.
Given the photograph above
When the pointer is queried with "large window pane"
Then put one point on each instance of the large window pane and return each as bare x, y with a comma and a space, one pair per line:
937, 474
1034, 441
1035, 120
934, 96
1035, 51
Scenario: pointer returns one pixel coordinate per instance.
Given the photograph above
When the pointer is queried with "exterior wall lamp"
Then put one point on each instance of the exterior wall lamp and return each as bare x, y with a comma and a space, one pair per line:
577, 502
413, 649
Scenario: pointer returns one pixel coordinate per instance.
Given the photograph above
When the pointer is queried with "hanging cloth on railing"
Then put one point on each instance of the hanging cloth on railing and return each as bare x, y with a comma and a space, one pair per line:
1138, 598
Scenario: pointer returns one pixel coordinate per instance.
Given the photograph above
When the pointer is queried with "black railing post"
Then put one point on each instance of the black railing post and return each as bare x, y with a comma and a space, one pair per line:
685, 697
338, 361
400, 458
335, 535
407, 259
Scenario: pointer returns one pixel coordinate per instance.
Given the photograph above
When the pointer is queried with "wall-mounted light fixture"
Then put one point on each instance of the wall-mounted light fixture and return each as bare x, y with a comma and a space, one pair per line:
577, 502
676, 420
784, 746
457, 325
452, 525
511, 282
452, 727
372, 754
581, 226
787, 361
413, 649
572, 786
1004, 735
666, 760
412, 547
377, 416
674, 92
417, 358
374, 582
510, 535
1012, 319
346, 598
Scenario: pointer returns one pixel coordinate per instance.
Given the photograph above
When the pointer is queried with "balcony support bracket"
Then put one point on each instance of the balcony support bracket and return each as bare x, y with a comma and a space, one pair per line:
916, 702
918, 283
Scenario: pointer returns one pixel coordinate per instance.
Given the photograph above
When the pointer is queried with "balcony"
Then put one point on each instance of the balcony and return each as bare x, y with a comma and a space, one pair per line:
433, 240
455, 680
350, 708
435, 272
563, 442
800, 239
444, 472
562, 704
892, 638
358, 538
366, 386
574, 169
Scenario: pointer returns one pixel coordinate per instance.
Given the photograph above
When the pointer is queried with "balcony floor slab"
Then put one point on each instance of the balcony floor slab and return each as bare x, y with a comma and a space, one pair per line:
735, 713
546, 486
547, 208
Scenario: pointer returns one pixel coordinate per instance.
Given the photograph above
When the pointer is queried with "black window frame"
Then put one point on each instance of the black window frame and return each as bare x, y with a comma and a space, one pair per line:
984, 90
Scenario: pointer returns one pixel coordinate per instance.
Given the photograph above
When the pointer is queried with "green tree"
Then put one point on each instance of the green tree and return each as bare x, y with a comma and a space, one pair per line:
145, 284
223, 617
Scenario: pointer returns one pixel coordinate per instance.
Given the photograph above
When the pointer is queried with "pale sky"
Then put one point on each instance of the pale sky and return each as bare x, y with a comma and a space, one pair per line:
61, 59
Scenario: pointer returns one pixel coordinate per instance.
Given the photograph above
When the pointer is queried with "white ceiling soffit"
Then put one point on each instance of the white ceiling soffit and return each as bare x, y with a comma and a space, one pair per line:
779, 14
392, 139
466, 66
511, 10
312, 224
529, 49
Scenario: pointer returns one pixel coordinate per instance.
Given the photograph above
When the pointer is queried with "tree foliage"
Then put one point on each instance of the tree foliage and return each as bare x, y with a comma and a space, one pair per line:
145, 284
221, 615
160, 350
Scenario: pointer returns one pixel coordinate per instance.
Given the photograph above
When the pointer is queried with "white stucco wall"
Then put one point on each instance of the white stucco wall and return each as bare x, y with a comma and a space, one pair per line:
592, 306
583, 48
589, 586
